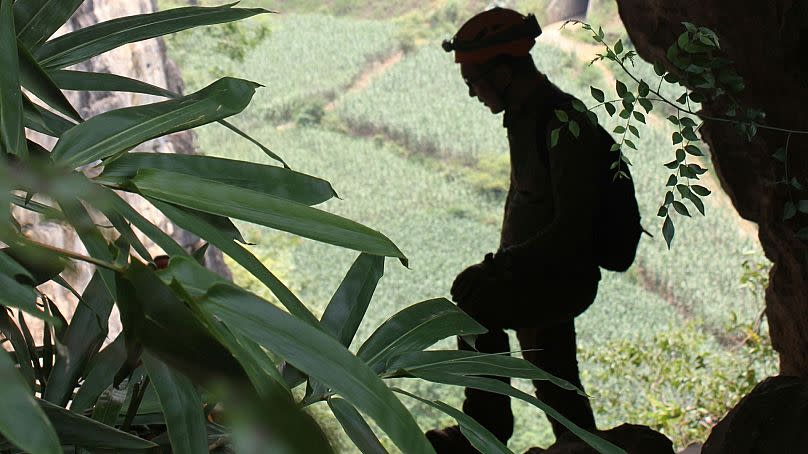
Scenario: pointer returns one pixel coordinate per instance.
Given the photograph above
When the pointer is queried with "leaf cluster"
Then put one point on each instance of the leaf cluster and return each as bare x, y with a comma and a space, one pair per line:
190, 339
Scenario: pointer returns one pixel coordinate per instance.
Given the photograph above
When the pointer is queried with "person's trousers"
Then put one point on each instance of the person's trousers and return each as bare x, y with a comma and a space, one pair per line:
552, 349
546, 334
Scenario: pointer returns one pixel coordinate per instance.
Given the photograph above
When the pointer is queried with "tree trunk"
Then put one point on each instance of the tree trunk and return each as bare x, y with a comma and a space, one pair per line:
768, 43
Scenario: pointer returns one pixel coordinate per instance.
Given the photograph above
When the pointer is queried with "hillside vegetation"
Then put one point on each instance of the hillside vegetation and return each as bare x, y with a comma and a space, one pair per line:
670, 344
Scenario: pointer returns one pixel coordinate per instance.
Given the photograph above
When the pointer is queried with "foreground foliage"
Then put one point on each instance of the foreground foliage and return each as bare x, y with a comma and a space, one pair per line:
191, 342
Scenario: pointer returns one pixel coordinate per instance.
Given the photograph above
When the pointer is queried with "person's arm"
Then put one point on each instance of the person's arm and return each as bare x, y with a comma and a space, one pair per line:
574, 182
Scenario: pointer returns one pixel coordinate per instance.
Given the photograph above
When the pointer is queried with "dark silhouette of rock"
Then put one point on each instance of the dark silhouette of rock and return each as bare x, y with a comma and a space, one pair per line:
772, 418
767, 42
633, 438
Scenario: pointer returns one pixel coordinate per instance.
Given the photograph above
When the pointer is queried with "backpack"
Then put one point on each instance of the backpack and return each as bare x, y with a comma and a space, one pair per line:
617, 220
617, 228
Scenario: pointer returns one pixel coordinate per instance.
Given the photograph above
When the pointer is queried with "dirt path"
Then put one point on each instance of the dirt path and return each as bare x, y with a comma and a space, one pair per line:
360, 82
364, 78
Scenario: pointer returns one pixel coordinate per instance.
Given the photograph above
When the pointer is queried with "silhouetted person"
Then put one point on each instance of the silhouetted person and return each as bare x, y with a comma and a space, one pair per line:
546, 271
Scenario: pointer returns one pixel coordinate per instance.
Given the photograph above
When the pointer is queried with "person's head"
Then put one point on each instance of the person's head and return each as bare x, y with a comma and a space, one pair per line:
493, 49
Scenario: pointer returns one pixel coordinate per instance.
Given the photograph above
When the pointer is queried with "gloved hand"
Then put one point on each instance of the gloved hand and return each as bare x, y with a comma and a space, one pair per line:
491, 271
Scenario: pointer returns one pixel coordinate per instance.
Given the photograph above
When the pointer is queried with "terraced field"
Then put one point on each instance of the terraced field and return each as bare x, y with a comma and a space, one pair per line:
405, 154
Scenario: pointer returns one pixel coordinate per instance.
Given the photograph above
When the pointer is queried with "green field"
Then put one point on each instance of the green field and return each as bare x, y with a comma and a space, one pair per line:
412, 156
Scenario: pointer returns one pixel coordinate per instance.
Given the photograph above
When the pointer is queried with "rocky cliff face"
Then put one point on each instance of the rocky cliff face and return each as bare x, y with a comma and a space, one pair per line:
146, 61
768, 43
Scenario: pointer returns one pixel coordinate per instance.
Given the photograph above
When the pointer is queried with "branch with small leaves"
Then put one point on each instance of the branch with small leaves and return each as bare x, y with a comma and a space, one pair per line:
700, 65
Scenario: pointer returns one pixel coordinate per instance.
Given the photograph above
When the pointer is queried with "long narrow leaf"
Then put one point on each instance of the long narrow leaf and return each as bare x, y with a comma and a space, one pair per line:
38, 82
355, 427
347, 307
496, 386
12, 134
119, 130
90, 236
271, 180
89, 81
182, 407
475, 433
123, 227
14, 293
110, 402
38, 20
44, 121
260, 368
77, 430
83, 338
157, 316
45, 210
318, 355
225, 200
243, 134
22, 421
475, 363
11, 332
416, 328
99, 374
88, 42
243, 257
118, 205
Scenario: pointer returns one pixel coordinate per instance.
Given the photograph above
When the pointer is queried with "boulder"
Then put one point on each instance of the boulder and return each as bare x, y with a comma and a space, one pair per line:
772, 418
633, 438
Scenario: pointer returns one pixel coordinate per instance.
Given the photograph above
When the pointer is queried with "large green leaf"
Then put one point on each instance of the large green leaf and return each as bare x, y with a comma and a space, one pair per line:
99, 374
38, 82
271, 180
355, 426
182, 407
496, 386
320, 356
37, 20
12, 134
475, 433
88, 42
83, 339
416, 328
88, 81
474, 363
347, 307
22, 421
120, 130
44, 121
77, 430
225, 200
201, 228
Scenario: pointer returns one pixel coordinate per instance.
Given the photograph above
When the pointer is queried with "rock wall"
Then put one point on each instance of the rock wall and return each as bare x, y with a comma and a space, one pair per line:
146, 61
768, 42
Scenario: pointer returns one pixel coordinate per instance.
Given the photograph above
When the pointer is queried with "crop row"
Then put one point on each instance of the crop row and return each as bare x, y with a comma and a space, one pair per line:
304, 59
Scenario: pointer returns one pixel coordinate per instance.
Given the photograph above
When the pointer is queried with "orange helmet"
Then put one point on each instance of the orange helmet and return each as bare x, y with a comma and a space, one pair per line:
498, 31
